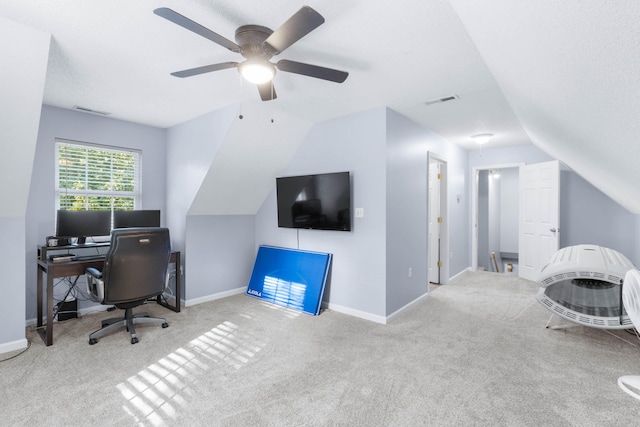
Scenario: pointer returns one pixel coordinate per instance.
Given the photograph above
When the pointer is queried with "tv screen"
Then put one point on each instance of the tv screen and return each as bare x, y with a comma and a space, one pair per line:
82, 224
138, 218
320, 201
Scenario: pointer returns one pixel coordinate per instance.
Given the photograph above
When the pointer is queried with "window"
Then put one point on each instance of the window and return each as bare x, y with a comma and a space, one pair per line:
95, 177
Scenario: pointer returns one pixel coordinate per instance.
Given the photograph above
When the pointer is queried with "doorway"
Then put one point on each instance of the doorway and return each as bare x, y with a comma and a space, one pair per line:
538, 217
495, 218
437, 228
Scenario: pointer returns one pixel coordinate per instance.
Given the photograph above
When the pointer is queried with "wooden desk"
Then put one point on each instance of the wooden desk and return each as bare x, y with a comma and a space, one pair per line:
77, 268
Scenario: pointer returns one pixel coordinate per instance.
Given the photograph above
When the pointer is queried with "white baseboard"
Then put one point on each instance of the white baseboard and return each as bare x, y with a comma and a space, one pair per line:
214, 297
13, 345
355, 313
460, 274
401, 310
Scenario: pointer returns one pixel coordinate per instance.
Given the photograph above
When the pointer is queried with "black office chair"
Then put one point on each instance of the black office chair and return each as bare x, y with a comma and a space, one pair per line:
135, 269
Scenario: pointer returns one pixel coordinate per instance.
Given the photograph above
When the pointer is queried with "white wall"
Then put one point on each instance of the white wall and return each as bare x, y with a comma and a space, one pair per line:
24, 53
78, 126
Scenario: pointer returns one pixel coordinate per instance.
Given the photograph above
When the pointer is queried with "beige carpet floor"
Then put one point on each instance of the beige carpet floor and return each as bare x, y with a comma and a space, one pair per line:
474, 353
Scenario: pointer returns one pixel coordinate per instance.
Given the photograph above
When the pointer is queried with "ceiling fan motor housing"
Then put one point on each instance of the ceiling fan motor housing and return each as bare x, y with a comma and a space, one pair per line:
250, 38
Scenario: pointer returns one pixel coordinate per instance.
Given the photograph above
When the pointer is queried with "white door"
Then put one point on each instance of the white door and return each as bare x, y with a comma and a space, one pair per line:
435, 221
539, 216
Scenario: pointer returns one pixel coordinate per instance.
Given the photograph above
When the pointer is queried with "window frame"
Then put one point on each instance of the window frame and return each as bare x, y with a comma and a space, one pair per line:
136, 194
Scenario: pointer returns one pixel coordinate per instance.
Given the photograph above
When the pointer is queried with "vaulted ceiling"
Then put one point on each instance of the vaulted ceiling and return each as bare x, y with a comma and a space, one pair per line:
562, 75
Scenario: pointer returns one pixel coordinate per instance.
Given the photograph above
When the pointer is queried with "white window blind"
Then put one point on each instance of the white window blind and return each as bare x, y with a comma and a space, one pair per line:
95, 177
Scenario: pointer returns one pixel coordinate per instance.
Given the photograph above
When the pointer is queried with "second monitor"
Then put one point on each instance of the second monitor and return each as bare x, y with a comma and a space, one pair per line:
138, 218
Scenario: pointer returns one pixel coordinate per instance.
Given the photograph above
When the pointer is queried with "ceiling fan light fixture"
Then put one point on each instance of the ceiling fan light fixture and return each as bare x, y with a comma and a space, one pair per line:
482, 138
257, 71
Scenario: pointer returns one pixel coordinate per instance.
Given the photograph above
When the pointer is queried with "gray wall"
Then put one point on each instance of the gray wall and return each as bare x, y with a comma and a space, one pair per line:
357, 144
25, 53
406, 205
77, 126
219, 254
589, 216
509, 209
495, 200
191, 148
387, 157
586, 214
483, 220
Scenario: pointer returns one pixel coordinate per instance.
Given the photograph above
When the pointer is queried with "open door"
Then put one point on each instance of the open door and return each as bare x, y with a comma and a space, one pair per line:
438, 268
539, 216
435, 220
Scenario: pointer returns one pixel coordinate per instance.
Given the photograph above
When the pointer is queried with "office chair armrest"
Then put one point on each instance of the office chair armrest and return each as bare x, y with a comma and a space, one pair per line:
95, 285
94, 272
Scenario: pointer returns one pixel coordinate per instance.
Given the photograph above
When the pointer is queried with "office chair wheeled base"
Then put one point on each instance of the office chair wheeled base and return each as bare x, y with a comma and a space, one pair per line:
128, 321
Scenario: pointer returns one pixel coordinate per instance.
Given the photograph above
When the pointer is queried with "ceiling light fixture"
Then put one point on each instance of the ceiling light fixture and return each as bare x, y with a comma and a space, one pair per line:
257, 71
482, 138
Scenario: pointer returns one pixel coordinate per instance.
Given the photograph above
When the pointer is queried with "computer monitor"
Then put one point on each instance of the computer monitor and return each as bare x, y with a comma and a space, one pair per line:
138, 218
83, 224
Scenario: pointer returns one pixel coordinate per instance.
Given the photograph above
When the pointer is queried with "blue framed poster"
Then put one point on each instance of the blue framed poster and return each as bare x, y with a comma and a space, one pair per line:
290, 278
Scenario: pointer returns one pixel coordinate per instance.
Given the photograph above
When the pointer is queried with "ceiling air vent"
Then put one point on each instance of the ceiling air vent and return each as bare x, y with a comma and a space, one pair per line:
441, 100
89, 110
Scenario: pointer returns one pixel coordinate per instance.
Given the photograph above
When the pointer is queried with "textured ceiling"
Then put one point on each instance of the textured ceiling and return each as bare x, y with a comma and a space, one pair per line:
116, 57
563, 75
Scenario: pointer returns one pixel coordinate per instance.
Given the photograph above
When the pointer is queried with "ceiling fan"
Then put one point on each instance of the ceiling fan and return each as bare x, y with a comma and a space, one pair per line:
258, 44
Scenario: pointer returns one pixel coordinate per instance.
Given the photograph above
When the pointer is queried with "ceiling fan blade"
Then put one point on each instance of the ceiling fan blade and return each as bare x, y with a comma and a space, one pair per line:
299, 25
205, 69
312, 71
190, 25
267, 91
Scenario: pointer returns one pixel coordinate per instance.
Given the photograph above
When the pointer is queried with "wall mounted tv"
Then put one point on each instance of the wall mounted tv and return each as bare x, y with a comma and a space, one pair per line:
321, 201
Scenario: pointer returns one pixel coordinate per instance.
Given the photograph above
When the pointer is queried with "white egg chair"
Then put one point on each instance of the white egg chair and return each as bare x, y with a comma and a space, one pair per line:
630, 384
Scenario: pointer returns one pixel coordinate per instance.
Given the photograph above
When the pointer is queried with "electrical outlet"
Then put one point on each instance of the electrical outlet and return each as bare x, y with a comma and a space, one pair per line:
359, 212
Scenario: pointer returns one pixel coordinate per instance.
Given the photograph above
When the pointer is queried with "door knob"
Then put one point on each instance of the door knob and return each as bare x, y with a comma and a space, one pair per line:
553, 230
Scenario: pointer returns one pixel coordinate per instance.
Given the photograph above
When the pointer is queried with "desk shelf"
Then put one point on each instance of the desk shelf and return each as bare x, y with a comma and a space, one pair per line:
45, 251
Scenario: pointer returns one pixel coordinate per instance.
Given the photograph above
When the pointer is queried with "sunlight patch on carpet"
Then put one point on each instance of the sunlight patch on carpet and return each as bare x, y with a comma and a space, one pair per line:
155, 394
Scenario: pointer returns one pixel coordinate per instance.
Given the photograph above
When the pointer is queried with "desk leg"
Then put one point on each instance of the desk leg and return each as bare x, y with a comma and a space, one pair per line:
47, 334
39, 296
49, 309
178, 282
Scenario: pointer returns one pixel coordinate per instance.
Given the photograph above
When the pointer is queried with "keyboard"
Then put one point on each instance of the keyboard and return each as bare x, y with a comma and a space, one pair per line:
89, 258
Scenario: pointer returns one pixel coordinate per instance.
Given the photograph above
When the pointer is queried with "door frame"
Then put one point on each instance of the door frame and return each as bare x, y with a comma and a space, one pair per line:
444, 212
475, 175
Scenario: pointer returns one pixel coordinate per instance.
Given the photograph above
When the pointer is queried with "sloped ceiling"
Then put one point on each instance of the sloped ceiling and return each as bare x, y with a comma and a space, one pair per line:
571, 72
563, 75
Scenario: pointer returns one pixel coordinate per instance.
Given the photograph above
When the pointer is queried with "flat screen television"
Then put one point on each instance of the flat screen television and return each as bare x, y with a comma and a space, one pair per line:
136, 218
83, 224
321, 201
